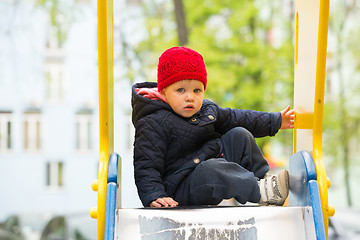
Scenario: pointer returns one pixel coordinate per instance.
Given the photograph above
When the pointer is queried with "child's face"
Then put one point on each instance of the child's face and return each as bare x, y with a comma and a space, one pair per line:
185, 97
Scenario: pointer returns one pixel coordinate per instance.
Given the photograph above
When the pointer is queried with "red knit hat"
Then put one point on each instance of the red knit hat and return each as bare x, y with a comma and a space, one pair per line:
180, 63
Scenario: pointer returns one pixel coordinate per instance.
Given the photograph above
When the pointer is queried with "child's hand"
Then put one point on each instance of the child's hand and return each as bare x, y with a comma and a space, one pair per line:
287, 117
164, 202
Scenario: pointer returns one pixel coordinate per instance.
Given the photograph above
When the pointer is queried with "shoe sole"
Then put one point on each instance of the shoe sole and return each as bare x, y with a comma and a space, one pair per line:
283, 185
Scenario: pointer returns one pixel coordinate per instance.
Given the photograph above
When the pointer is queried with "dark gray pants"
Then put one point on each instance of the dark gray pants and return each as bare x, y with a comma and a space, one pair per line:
234, 175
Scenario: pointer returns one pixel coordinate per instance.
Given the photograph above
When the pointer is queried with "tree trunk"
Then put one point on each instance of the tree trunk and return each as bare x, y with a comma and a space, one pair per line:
181, 22
347, 175
344, 129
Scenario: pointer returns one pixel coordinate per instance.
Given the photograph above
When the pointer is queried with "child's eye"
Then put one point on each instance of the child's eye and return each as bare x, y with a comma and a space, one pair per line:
197, 90
181, 90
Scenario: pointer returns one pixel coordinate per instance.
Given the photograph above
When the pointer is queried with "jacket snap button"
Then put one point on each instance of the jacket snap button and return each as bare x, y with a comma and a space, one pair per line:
211, 117
193, 119
196, 160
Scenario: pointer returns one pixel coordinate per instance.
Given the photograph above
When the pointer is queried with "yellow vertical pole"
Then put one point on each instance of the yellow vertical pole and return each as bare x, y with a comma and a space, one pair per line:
106, 80
324, 184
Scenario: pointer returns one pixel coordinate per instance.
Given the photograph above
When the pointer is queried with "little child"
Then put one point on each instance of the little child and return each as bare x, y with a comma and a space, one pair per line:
189, 151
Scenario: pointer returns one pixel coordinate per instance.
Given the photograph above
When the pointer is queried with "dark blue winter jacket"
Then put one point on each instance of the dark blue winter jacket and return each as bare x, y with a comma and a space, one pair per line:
168, 147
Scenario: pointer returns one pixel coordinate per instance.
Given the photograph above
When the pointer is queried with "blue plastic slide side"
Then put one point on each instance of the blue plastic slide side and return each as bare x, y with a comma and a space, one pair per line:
113, 167
299, 177
304, 188
111, 197
309, 165
302, 170
110, 211
317, 212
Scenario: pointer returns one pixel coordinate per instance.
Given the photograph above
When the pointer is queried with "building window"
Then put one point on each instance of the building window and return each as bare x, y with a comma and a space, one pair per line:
54, 82
32, 131
5, 131
84, 125
54, 174
54, 68
52, 43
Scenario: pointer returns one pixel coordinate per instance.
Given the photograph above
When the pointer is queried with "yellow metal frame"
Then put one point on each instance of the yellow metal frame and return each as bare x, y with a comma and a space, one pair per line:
106, 129
324, 182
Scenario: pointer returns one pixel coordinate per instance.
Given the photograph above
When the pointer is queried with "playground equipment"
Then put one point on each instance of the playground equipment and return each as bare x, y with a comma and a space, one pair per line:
307, 215
311, 31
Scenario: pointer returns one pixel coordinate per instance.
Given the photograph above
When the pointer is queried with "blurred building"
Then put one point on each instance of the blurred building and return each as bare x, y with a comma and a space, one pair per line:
49, 109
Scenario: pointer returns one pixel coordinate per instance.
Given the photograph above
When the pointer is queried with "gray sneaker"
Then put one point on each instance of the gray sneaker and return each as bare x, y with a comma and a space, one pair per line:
274, 189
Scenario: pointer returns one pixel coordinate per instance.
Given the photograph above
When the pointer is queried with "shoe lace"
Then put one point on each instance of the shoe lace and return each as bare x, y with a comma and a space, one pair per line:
275, 186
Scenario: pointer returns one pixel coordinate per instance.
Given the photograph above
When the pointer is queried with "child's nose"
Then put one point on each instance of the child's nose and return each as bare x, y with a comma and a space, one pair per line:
189, 97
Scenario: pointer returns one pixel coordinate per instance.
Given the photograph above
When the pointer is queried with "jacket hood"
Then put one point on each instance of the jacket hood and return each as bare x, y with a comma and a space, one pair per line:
142, 106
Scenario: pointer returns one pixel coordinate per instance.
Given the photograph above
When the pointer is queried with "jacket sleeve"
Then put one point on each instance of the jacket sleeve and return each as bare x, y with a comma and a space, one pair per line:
260, 124
149, 153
